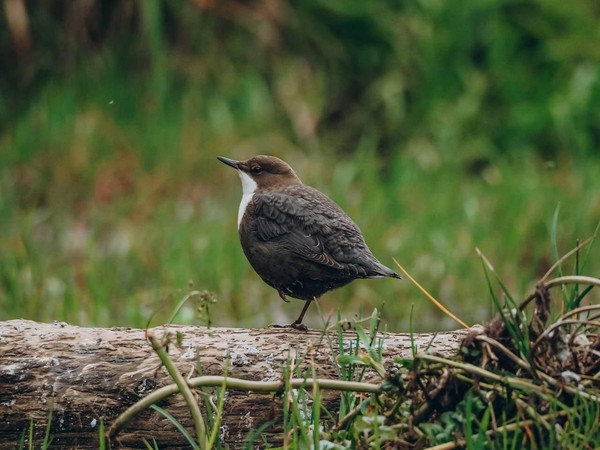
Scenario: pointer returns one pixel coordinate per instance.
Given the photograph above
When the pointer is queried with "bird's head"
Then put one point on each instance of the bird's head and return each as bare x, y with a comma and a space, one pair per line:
262, 172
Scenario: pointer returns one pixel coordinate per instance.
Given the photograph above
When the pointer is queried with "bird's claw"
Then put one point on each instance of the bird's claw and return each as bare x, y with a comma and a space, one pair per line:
294, 325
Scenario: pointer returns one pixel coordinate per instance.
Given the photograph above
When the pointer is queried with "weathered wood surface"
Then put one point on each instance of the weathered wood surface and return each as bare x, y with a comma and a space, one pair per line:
88, 374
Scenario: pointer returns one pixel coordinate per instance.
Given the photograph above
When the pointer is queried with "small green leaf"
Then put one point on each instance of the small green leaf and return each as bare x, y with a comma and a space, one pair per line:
374, 322
409, 363
351, 359
362, 336
179, 338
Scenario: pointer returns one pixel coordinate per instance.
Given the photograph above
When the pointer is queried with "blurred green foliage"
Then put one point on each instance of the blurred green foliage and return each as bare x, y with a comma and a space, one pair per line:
438, 126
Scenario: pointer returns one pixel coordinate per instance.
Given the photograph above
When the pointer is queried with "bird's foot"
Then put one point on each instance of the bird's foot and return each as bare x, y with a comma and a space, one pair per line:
298, 326
294, 325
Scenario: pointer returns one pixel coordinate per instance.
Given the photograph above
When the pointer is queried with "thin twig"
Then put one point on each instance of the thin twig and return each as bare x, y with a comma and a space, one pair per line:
572, 279
494, 343
513, 381
431, 297
530, 411
559, 324
578, 247
348, 417
580, 310
500, 390
240, 384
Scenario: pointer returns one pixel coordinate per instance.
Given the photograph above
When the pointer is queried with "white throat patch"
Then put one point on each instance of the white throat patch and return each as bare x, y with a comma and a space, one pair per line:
248, 188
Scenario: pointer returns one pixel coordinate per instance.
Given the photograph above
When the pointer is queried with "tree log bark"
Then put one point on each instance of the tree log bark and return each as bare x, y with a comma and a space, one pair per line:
87, 374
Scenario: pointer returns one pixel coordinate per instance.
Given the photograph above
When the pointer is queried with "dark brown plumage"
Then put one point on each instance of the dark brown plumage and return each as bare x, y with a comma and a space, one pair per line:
298, 240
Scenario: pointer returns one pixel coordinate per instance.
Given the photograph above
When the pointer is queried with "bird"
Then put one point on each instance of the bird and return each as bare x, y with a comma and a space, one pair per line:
298, 240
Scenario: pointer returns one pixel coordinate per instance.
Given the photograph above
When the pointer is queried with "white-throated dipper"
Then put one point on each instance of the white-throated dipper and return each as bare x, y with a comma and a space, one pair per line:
297, 239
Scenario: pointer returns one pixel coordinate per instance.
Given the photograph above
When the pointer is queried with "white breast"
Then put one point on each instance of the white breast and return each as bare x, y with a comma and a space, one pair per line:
248, 187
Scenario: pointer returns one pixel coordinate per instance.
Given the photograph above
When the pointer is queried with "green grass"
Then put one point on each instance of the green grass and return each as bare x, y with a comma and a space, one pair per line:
92, 236
28, 441
112, 201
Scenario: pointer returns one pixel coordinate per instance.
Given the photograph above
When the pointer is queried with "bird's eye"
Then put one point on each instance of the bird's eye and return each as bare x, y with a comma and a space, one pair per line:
256, 170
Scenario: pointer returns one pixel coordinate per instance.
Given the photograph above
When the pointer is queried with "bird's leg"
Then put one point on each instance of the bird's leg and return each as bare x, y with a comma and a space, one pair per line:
282, 295
297, 324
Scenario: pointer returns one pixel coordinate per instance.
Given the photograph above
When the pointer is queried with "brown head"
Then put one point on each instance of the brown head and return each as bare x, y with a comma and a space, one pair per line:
262, 172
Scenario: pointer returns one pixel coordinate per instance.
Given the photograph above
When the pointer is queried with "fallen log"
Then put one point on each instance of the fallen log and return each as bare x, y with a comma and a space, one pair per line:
88, 375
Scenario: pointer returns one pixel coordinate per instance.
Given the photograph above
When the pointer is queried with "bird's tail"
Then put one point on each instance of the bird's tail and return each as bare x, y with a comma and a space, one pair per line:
383, 271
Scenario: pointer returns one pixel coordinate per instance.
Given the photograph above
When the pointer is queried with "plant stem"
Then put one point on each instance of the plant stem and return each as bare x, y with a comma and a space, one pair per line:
184, 388
241, 384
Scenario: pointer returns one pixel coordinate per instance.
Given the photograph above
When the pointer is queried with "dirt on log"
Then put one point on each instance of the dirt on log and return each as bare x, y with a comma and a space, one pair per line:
85, 375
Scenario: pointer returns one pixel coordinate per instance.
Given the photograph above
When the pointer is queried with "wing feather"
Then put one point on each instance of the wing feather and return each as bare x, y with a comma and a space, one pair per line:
297, 222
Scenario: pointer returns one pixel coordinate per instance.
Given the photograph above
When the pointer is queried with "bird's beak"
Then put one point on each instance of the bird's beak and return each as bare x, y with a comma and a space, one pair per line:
230, 162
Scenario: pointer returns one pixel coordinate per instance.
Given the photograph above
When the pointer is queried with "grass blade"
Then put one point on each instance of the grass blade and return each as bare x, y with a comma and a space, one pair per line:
430, 297
186, 434
554, 237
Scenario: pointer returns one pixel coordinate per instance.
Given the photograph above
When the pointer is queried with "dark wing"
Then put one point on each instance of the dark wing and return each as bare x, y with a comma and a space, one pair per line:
312, 226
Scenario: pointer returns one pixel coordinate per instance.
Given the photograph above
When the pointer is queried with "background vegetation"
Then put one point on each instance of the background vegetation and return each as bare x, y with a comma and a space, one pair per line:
438, 126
